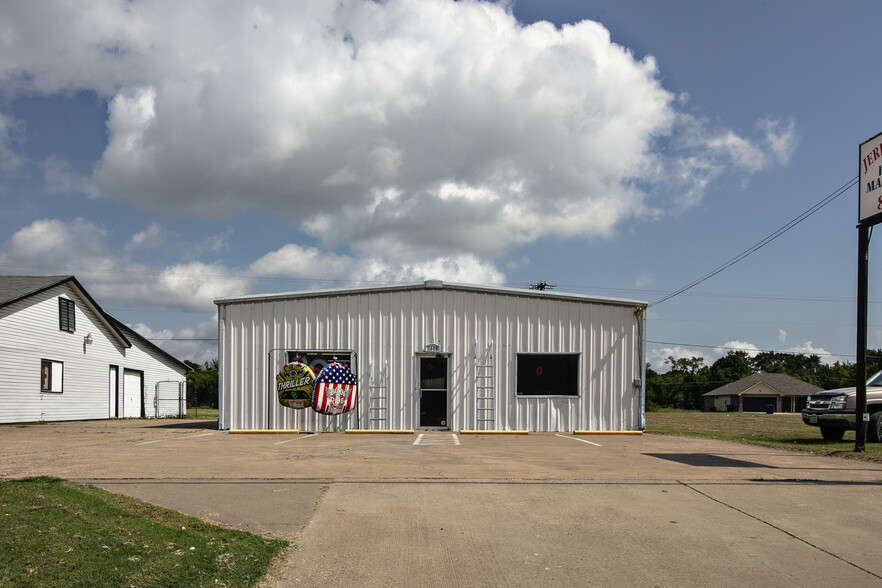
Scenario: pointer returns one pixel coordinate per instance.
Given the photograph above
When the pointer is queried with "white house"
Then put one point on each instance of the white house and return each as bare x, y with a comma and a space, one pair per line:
436, 355
63, 358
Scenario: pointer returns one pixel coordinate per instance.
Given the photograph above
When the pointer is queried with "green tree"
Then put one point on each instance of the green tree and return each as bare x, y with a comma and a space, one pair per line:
730, 368
689, 377
798, 365
838, 375
202, 387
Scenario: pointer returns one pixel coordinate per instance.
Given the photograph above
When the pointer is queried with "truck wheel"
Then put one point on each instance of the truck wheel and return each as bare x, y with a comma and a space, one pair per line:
831, 434
874, 432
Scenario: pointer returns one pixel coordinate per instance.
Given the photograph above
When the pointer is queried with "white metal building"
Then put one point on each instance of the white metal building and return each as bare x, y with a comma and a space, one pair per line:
63, 358
436, 355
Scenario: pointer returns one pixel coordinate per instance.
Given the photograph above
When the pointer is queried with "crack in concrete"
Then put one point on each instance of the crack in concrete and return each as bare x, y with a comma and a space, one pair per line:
779, 529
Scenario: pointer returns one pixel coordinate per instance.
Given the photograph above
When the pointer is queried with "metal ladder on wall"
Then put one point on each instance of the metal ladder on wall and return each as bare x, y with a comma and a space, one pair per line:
378, 398
485, 389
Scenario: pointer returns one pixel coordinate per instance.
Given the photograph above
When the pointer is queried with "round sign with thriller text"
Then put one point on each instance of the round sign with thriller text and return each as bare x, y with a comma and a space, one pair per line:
295, 384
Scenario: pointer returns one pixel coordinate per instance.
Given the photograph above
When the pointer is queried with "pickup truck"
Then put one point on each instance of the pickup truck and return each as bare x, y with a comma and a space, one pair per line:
833, 411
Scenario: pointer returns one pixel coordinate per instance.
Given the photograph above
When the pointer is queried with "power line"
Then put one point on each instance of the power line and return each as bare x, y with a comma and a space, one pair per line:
762, 243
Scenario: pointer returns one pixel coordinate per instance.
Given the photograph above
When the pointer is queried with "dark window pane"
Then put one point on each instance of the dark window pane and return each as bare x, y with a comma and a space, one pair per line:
66, 315
555, 374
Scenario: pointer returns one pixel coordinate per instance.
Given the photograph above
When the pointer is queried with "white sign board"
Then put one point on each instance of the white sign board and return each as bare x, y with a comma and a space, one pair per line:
870, 180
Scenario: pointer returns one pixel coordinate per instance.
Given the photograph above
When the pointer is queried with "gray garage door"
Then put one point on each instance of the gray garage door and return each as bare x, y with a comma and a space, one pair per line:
757, 403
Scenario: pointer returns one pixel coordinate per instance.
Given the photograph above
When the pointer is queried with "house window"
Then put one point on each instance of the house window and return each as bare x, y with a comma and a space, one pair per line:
51, 376
67, 318
547, 374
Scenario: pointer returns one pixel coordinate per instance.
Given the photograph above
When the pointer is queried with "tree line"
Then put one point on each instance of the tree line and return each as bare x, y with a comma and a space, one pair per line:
202, 383
689, 378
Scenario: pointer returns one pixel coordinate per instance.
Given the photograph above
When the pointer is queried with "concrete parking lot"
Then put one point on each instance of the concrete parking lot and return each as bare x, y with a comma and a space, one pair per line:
445, 509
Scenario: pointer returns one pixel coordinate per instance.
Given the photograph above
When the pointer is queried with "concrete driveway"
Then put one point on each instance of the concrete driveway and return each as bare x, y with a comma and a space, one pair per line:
445, 509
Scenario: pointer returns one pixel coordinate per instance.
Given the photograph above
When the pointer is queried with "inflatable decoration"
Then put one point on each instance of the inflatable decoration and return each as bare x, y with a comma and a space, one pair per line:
294, 385
335, 390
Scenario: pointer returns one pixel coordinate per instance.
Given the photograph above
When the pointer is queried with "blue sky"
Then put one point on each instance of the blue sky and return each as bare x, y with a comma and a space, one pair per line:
168, 156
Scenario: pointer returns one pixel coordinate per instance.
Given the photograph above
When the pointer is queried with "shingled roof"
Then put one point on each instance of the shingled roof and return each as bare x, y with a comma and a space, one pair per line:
14, 288
786, 385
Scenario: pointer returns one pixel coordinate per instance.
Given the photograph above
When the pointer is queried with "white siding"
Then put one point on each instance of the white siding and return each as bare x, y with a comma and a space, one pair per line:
394, 326
29, 333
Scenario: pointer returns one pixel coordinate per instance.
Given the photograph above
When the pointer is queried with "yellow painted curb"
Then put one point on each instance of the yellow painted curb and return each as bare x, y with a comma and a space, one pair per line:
258, 431
468, 432
607, 432
382, 431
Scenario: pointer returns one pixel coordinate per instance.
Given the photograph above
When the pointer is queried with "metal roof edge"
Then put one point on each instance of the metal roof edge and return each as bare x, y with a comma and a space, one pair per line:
433, 285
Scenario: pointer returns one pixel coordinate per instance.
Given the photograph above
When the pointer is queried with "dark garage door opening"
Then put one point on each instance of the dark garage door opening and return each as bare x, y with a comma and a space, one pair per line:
757, 403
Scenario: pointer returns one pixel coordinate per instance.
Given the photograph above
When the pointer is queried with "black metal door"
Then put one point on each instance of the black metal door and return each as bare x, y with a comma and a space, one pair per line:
433, 392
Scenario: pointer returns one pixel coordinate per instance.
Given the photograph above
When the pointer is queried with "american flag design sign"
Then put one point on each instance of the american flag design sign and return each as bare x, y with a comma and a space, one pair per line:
294, 385
335, 390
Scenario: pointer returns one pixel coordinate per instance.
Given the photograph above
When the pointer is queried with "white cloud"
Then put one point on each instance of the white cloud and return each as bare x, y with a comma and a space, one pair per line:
61, 178
310, 263
780, 137
725, 348
705, 151
782, 335
743, 153
52, 244
808, 348
83, 248
149, 238
413, 131
657, 357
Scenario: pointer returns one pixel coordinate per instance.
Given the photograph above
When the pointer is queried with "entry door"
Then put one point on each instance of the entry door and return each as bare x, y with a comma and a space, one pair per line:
113, 386
132, 393
433, 393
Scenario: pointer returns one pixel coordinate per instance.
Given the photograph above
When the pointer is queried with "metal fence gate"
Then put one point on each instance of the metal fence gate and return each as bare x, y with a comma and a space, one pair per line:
170, 399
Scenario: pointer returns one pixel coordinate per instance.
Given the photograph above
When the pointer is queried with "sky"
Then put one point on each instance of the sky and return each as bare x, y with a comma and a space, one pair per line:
168, 154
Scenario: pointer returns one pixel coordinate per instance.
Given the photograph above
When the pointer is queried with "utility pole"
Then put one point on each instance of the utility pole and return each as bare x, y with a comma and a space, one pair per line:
860, 409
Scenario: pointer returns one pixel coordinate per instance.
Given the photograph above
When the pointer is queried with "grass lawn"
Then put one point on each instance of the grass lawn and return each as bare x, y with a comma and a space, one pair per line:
782, 431
58, 533
202, 412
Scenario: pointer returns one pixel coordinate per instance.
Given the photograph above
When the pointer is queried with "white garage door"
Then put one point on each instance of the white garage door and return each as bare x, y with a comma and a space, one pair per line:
132, 394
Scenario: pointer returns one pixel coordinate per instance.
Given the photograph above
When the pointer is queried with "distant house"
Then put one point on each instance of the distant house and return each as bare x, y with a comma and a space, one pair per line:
757, 392
63, 358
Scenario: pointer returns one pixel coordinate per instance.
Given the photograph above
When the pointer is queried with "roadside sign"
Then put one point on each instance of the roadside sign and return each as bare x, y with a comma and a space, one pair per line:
870, 181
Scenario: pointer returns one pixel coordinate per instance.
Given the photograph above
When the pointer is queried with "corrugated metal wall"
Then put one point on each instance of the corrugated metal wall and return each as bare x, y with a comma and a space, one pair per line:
393, 327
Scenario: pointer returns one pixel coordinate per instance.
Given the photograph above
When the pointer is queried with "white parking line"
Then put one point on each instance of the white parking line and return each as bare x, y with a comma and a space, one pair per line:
423, 439
582, 440
294, 439
176, 438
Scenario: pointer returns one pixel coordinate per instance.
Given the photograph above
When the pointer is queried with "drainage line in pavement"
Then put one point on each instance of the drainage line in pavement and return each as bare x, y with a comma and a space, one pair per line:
777, 528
